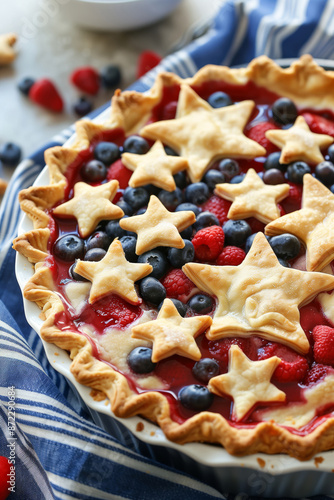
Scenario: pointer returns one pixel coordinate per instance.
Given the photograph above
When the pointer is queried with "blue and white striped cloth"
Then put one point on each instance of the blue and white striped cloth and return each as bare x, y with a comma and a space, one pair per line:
60, 453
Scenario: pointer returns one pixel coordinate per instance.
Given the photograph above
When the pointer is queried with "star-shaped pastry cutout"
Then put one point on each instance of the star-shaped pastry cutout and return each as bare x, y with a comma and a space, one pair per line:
158, 227
313, 224
154, 167
253, 198
172, 334
113, 274
90, 205
203, 134
7, 53
248, 382
259, 296
299, 143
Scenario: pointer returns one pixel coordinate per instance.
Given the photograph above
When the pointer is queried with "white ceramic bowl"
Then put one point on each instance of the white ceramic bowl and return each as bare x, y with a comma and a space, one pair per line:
269, 476
117, 15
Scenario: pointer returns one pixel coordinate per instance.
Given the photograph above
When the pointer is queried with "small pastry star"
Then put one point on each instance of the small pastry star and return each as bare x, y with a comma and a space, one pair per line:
113, 274
299, 143
172, 334
203, 134
158, 227
90, 205
7, 53
154, 167
248, 382
259, 296
253, 198
313, 224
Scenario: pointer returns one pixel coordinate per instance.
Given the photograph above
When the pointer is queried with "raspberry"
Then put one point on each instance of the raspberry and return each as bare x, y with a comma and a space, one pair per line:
319, 124
44, 93
119, 171
113, 311
5, 470
217, 206
147, 61
86, 79
220, 348
257, 133
323, 349
208, 243
256, 225
292, 368
317, 372
231, 256
177, 284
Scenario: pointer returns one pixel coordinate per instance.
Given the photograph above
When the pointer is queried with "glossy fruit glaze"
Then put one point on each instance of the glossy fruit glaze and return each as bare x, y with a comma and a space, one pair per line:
176, 371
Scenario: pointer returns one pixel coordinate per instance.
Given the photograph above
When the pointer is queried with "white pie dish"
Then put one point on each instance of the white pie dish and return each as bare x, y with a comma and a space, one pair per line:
258, 475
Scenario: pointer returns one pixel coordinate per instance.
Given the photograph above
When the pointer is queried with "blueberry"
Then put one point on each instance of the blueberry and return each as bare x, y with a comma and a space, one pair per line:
151, 290
69, 247
93, 171
272, 161
284, 263
286, 246
114, 230
99, 239
180, 180
237, 179
205, 368
127, 209
213, 177
110, 76
284, 111
180, 306
107, 152
83, 106
236, 232
180, 256
188, 206
136, 144
95, 254
171, 199
195, 397
152, 189
219, 100
230, 168
25, 85
129, 247
74, 275
296, 171
187, 233
250, 240
330, 152
273, 177
197, 193
324, 171
201, 303
169, 151
205, 219
139, 360
156, 258
10, 154
136, 197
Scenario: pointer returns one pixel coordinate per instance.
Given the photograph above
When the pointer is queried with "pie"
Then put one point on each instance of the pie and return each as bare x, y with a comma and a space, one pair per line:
183, 255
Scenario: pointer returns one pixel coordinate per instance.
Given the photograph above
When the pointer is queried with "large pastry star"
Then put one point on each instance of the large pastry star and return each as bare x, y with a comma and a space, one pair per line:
113, 274
172, 334
253, 198
158, 227
154, 167
248, 382
259, 296
313, 224
299, 143
7, 53
90, 205
202, 134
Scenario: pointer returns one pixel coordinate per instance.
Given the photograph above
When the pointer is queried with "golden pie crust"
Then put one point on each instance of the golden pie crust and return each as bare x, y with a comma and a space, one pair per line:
309, 86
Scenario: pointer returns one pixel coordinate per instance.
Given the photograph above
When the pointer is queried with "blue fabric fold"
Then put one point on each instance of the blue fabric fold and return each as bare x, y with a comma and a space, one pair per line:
60, 452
